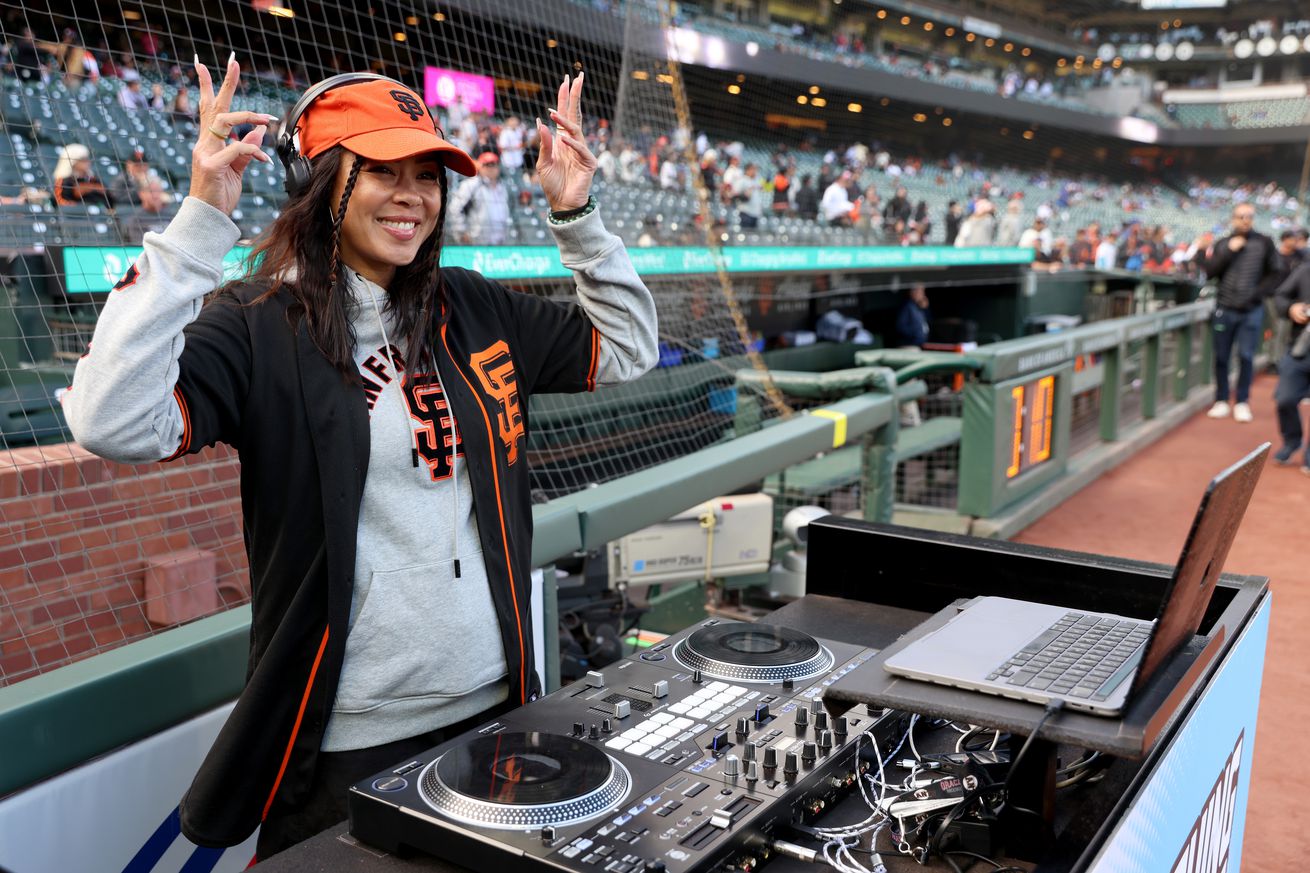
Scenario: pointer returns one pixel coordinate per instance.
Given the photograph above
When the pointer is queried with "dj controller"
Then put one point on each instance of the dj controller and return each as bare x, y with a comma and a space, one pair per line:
685, 758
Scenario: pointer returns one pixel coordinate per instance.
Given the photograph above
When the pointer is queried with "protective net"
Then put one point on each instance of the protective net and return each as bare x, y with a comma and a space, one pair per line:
765, 209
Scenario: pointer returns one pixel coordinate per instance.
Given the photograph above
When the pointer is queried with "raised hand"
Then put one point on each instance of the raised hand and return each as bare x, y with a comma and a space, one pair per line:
565, 165
216, 164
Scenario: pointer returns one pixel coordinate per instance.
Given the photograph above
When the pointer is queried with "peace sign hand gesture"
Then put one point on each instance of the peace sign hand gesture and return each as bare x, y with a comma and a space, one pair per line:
565, 165
216, 164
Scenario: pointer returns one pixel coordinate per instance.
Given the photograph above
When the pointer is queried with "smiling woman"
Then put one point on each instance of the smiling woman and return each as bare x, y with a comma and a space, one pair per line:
377, 403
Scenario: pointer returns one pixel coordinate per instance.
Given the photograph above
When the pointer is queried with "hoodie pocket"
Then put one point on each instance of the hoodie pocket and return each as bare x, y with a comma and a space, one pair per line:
420, 633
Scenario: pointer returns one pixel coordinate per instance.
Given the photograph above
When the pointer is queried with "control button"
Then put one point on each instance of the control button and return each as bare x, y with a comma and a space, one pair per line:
751, 749
816, 704
593, 858
839, 726
655, 867
595, 679
825, 741
604, 831
720, 741
770, 758
788, 684
695, 677
731, 767
578, 728
721, 819
660, 688
790, 766
743, 726
582, 844
821, 720
802, 716
761, 712
548, 834
621, 820
695, 789
605, 726
752, 771
622, 709
570, 852
389, 783
652, 656
593, 733
809, 752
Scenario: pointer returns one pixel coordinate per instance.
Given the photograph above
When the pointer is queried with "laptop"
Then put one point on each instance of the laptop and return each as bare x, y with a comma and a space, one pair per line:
1093, 661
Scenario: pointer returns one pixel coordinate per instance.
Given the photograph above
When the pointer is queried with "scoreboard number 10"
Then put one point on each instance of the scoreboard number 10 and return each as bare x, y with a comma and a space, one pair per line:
1034, 418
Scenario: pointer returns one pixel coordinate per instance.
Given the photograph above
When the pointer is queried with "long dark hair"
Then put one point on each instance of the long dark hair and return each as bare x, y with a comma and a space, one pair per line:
301, 253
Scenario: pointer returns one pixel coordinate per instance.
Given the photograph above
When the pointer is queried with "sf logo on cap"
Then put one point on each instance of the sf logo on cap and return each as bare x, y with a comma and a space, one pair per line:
408, 104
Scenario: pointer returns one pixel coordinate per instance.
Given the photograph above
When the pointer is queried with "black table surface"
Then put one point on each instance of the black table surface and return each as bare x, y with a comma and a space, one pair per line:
827, 617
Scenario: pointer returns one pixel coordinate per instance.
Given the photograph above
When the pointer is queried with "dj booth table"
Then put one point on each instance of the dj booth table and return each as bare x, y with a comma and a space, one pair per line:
1174, 797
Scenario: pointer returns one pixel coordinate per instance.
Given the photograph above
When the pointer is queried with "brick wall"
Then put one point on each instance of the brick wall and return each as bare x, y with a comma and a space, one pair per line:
82, 541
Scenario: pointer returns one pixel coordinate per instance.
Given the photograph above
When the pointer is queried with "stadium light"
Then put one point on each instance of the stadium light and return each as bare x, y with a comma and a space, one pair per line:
399, 36
990, 42
946, 122
438, 16
1009, 46
640, 75
920, 117
882, 13
1061, 62
927, 25
131, 15
814, 89
802, 99
1184, 51
1164, 51
1289, 44
412, 20
281, 12
950, 31
1266, 46
1026, 51
734, 89
550, 43
885, 101
905, 20
854, 107
1243, 48
1028, 134
820, 102
752, 48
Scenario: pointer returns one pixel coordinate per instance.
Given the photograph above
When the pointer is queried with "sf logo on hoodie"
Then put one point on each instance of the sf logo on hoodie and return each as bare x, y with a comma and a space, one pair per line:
495, 371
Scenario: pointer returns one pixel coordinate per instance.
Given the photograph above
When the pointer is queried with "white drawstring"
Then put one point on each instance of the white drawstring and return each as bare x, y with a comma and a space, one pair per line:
413, 449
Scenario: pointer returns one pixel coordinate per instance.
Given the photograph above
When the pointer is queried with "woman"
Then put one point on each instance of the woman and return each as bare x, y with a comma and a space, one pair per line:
75, 184
378, 404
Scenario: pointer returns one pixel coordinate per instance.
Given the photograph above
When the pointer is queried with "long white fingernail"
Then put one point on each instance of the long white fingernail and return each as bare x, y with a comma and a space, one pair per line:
197, 59
231, 59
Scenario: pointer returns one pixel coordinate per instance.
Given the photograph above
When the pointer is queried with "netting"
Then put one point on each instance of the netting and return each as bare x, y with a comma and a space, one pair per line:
760, 184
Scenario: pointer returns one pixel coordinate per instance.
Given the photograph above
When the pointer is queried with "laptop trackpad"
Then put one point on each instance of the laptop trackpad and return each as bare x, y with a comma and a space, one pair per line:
977, 641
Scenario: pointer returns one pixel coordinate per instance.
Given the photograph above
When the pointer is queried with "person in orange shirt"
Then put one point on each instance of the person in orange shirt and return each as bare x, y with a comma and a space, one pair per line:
75, 183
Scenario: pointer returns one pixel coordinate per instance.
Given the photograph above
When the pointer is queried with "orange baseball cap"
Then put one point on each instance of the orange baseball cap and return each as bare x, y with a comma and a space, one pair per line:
379, 120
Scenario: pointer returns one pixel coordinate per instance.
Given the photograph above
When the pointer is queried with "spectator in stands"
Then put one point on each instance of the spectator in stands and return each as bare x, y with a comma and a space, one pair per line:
1292, 302
748, 195
1240, 262
954, 216
896, 214
728, 182
1107, 254
921, 223
630, 166
1011, 228
479, 211
673, 175
782, 190
182, 109
131, 97
979, 229
135, 174
25, 196
807, 199
1290, 246
607, 164
914, 319
75, 184
152, 214
837, 205
1081, 252
510, 142
1038, 238
156, 100
282, 366
30, 60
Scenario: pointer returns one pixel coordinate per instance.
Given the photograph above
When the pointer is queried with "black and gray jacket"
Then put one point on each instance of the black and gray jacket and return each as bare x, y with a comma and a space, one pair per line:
164, 377
1242, 275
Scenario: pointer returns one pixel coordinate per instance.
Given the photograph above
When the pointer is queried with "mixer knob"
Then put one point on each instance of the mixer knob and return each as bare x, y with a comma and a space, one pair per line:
821, 720
825, 740
751, 749
788, 685
579, 728
809, 753
695, 677
770, 758
605, 726
548, 834
731, 767
743, 726
622, 709
595, 679
752, 771
594, 733
839, 726
790, 766
654, 867
660, 688
761, 713
802, 716
816, 705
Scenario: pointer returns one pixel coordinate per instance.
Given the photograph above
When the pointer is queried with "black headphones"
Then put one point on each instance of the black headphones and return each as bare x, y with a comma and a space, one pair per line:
288, 142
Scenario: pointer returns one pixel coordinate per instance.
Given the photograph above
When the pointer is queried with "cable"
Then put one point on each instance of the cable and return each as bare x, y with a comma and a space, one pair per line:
997, 867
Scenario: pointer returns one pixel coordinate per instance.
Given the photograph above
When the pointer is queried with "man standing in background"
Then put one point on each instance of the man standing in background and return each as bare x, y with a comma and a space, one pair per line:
1240, 262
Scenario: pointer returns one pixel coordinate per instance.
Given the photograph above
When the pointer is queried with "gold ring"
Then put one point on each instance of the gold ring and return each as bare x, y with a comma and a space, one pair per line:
222, 136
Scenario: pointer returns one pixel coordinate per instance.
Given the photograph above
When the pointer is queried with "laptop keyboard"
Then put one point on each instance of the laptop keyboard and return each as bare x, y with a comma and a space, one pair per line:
1078, 656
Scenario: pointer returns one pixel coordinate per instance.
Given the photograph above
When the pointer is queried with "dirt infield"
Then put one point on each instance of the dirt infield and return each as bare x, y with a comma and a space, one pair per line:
1142, 510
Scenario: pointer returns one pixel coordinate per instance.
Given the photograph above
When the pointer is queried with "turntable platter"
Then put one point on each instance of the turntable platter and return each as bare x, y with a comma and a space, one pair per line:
748, 652
524, 780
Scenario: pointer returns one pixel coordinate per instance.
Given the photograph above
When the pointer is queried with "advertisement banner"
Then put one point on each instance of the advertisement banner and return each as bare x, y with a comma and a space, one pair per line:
1191, 814
118, 813
96, 269
441, 87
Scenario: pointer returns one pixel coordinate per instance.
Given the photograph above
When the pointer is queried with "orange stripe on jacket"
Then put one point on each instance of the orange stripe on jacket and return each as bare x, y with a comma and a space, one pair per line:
295, 730
500, 510
185, 445
595, 359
